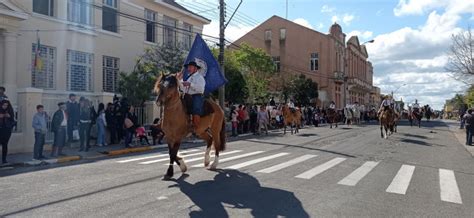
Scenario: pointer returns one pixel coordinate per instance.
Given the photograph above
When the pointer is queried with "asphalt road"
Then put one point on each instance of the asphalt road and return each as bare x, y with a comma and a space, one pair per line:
320, 172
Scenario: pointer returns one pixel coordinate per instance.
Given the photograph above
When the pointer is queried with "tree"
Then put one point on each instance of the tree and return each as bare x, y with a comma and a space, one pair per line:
461, 56
303, 90
137, 86
257, 68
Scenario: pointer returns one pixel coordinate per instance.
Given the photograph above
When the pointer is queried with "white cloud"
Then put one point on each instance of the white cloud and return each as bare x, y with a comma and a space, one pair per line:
232, 32
320, 26
379, 12
347, 19
417, 55
327, 9
365, 35
334, 18
418, 7
303, 22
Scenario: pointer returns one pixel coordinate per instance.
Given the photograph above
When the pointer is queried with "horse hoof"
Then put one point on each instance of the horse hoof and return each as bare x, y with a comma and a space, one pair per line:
169, 173
182, 166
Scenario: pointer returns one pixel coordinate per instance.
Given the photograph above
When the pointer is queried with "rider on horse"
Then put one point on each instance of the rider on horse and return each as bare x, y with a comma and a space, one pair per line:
416, 107
332, 106
291, 106
386, 105
194, 86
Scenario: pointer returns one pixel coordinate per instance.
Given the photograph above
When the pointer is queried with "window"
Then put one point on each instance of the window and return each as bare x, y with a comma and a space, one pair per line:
169, 31
45, 7
150, 17
314, 61
282, 34
187, 35
43, 77
110, 70
268, 35
79, 70
276, 62
109, 16
80, 11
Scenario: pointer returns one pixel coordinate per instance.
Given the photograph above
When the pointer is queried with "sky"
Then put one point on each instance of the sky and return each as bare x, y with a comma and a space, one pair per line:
411, 37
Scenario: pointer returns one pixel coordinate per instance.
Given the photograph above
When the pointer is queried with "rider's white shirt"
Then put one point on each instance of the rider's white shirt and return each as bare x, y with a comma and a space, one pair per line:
291, 105
386, 102
332, 106
416, 105
198, 83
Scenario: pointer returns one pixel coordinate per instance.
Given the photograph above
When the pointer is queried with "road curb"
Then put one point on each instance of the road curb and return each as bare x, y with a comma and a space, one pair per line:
130, 150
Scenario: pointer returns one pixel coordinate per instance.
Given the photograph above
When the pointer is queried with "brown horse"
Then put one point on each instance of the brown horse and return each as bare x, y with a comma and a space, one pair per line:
386, 123
333, 117
291, 119
176, 122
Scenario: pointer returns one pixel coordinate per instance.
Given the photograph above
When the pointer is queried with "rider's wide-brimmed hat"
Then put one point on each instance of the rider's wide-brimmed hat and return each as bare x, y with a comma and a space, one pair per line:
192, 63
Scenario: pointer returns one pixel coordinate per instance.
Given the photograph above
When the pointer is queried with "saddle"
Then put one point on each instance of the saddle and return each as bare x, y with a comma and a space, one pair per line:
188, 105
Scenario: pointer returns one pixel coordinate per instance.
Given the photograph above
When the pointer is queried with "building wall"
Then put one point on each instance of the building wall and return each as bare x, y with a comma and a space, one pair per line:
128, 43
295, 52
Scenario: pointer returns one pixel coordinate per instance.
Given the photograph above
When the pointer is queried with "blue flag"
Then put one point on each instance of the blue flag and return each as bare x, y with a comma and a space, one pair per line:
202, 55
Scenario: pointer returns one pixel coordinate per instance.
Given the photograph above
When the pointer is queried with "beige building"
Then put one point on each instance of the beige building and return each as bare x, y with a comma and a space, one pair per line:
325, 58
84, 45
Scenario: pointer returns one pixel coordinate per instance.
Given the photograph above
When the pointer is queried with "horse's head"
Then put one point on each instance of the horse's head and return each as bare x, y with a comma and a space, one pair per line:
166, 87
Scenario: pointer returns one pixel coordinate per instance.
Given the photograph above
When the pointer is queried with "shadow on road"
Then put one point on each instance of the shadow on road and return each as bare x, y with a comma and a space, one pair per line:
416, 136
241, 191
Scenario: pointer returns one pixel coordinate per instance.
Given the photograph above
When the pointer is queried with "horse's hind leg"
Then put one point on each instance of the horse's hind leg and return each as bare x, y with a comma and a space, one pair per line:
207, 156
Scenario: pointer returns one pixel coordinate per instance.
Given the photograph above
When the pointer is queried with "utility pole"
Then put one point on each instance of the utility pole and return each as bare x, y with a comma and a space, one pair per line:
221, 50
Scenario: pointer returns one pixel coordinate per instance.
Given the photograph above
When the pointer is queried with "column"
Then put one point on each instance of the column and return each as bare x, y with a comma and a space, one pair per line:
9, 66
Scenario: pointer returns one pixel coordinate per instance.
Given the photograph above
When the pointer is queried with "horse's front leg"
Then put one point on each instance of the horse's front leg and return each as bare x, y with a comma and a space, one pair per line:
170, 172
216, 161
179, 160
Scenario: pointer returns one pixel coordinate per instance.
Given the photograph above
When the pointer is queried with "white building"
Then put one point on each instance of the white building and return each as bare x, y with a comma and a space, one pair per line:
84, 45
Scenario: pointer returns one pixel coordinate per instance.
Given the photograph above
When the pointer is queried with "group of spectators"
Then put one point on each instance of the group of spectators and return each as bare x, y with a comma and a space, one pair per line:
75, 121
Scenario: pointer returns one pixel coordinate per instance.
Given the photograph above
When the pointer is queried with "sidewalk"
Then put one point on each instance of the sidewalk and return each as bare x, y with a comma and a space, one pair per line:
460, 134
73, 154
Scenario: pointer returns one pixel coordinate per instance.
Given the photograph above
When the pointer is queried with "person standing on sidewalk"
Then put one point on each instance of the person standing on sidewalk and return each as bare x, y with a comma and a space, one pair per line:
101, 124
73, 111
111, 123
85, 122
469, 126
234, 119
40, 127
2, 94
7, 122
129, 124
58, 127
263, 120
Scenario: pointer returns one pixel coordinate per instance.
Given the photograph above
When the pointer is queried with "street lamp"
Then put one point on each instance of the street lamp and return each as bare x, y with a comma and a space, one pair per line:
398, 89
370, 41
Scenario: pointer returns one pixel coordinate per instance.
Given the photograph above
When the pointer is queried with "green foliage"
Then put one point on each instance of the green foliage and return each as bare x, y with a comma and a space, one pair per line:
301, 89
137, 86
248, 70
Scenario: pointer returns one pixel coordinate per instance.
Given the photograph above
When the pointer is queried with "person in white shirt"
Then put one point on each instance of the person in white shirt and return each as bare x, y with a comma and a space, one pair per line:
332, 105
194, 86
386, 104
416, 105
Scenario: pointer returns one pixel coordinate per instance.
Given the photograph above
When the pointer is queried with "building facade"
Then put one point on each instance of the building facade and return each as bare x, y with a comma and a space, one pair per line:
84, 44
341, 69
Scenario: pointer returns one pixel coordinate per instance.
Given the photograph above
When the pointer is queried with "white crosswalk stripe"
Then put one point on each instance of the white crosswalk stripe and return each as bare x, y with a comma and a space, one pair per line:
321, 168
287, 164
233, 158
449, 190
163, 154
167, 159
401, 181
258, 160
212, 155
353, 178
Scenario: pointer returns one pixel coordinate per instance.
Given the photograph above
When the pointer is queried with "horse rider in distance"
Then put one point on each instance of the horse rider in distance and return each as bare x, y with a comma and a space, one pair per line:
387, 104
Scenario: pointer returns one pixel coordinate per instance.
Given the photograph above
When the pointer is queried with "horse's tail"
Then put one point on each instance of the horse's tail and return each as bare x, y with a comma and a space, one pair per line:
222, 136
